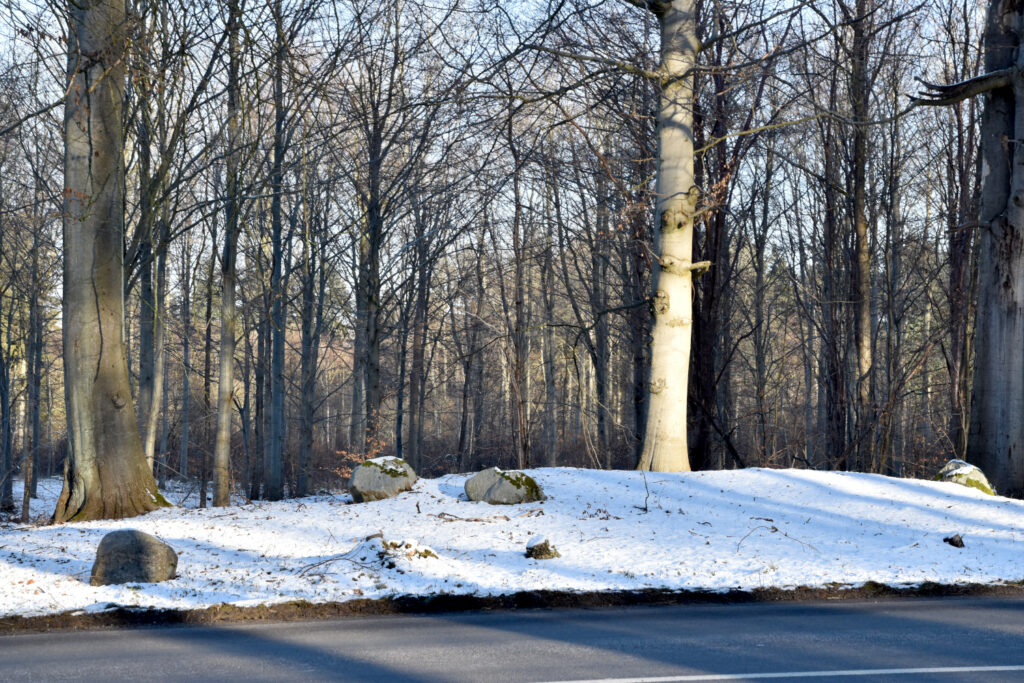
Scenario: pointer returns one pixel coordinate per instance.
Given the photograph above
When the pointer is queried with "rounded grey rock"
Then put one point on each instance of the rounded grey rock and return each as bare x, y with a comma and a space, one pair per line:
380, 478
499, 487
131, 556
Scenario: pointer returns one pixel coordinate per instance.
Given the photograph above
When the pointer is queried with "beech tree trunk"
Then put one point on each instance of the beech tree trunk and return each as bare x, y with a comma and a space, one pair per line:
665, 441
105, 474
996, 439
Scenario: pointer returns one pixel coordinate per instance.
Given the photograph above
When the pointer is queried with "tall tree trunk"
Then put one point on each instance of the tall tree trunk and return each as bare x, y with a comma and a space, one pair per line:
6, 440
208, 433
665, 440
34, 366
518, 380
105, 475
228, 316
357, 423
417, 377
547, 285
6, 454
153, 412
639, 321
996, 439
186, 356
307, 362
860, 90
599, 304
273, 471
260, 421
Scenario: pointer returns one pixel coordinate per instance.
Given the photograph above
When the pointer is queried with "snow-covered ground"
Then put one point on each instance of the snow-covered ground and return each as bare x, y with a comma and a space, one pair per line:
616, 530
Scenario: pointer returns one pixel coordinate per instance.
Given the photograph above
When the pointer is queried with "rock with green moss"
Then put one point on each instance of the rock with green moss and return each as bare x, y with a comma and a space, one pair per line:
499, 487
540, 548
380, 478
965, 474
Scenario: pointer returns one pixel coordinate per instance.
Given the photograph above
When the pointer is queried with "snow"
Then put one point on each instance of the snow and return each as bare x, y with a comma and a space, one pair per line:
615, 530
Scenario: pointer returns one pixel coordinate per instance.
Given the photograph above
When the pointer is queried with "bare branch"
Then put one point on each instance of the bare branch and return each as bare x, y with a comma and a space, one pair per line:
621, 66
937, 95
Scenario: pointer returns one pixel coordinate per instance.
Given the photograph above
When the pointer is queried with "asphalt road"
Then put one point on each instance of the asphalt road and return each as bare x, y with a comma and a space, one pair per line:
906, 640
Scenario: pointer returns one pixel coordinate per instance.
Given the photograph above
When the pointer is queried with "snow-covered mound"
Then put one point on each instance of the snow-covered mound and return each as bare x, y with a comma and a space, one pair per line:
744, 529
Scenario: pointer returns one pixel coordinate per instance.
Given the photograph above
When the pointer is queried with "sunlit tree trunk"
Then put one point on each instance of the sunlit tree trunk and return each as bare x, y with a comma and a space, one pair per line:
105, 474
665, 443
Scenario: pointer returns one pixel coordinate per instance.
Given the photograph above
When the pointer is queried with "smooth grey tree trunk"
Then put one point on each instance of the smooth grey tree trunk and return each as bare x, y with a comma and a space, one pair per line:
996, 438
665, 441
105, 474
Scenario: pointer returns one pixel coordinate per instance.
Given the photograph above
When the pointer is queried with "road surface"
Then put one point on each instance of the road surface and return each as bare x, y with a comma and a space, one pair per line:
899, 640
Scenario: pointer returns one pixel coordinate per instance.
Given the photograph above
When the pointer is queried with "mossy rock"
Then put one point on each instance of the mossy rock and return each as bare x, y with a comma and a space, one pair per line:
541, 549
499, 487
380, 478
965, 474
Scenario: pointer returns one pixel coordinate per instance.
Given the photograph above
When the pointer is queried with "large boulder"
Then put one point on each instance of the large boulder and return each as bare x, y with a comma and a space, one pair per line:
131, 556
380, 478
965, 474
498, 487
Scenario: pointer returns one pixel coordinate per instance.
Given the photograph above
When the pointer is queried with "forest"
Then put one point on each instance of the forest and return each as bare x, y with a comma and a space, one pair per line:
287, 236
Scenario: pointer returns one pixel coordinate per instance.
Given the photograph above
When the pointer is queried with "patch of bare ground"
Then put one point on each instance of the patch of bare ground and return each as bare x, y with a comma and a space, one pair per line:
302, 611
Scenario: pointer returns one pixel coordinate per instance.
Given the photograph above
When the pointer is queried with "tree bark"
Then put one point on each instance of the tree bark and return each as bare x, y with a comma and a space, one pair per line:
665, 440
105, 474
860, 90
228, 315
273, 471
996, 439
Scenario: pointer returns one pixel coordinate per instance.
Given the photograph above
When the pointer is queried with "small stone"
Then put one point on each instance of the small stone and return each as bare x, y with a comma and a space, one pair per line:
380, 478
131, 556
955, 541
499, 487
540, 548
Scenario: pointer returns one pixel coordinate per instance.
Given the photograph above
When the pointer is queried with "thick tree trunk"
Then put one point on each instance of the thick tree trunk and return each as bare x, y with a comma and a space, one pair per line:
665, 441
105, 475
996, 439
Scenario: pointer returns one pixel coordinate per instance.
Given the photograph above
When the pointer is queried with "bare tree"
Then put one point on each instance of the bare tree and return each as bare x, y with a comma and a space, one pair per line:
106, 474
